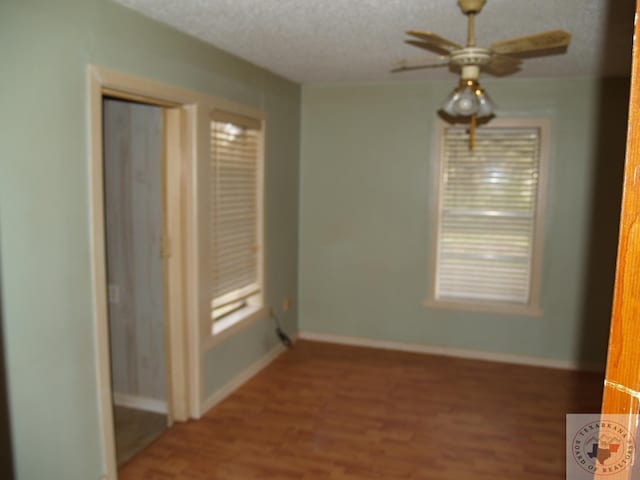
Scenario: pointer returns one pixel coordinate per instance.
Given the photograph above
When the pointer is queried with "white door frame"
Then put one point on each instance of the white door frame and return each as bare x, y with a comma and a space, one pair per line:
181, 315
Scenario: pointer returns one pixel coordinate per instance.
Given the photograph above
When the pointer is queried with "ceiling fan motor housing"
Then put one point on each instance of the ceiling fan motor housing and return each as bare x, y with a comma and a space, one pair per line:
470, 59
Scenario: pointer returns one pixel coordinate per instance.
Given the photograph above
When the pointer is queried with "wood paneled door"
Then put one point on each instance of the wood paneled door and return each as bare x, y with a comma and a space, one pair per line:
622, 383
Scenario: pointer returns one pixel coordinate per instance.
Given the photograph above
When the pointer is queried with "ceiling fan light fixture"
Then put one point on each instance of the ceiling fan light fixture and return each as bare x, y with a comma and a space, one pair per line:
462, 101
449, 104
486, 106
468, 99
466, 103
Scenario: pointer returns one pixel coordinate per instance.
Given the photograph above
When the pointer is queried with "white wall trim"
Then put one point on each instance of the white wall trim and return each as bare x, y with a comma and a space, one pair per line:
241, 378
139, 402
451, 352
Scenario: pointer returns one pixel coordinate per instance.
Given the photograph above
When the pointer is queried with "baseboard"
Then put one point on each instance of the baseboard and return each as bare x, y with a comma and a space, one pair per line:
451, 352
140, 403
241, 378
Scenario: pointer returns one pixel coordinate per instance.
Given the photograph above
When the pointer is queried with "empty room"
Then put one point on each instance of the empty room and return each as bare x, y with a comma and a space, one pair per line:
246, 239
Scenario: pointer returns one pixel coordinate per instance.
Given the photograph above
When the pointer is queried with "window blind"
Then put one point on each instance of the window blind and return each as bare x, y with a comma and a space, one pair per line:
235, 150
488, 199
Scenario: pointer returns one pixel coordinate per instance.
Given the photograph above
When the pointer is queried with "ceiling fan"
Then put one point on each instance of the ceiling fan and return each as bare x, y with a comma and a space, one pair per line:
468, 99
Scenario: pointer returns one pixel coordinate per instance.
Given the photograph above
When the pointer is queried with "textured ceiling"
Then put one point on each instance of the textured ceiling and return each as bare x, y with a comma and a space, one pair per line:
330, 41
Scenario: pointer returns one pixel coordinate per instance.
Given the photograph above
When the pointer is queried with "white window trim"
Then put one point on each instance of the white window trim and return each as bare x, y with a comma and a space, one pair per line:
533, 308
256, 308
235, 323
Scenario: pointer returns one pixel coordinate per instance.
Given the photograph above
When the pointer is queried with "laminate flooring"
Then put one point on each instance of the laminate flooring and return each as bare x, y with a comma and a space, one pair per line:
325, 411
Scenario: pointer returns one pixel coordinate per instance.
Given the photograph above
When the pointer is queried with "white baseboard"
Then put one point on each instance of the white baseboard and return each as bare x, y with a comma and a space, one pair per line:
140, 403
451, 352
242, 377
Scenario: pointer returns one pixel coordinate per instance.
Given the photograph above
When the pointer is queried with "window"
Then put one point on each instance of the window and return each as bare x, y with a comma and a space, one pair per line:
236, 218
490, 204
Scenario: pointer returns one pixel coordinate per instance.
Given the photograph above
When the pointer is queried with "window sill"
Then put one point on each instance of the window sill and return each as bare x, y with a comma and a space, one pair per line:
499, 308
234, 323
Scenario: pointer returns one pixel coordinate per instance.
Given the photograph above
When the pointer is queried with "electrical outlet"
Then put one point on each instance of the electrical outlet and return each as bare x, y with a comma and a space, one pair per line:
286, 304
114, 294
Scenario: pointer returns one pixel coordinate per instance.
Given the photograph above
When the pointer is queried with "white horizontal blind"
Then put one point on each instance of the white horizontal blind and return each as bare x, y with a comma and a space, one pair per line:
488, 199
235, 156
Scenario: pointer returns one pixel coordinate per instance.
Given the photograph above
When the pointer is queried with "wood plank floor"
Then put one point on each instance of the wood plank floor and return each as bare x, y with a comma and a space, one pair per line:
323, 411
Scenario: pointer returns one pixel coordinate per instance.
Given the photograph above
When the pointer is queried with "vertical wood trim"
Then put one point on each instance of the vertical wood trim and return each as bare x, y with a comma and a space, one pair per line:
168, 140
203, 147
190, 139
98, 264
177, 366
262, 199
622, 379
544, 167
436, 216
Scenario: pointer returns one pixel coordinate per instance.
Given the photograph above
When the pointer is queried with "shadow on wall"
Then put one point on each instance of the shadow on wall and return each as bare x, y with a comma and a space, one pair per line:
609, 145
6, 451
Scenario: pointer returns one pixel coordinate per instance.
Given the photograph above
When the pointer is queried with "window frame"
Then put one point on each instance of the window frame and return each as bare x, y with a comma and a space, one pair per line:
533, 307
256, 308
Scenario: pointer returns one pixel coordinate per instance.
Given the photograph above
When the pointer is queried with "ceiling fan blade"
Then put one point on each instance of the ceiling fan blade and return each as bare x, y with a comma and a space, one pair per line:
436, 40
539, 41
415, 67
501, 65
427, 46
429, 62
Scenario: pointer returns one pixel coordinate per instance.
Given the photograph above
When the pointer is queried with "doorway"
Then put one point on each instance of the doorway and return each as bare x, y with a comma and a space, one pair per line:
134, 220
181, 147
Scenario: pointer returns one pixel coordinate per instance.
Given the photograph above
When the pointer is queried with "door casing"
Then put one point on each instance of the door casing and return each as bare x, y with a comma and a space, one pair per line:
183, 365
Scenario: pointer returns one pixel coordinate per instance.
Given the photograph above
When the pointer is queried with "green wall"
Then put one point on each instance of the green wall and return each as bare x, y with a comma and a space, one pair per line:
44, 210
367, 206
